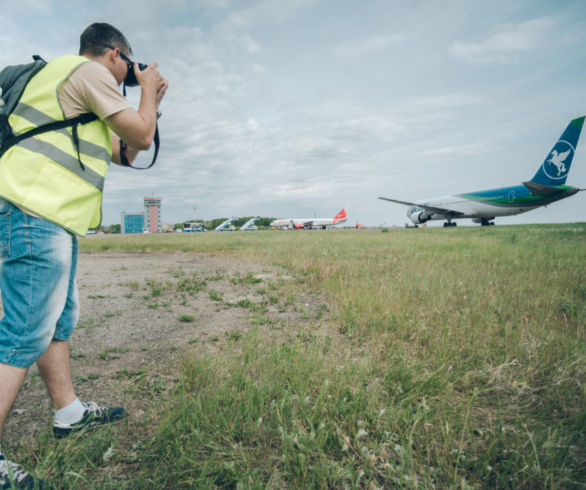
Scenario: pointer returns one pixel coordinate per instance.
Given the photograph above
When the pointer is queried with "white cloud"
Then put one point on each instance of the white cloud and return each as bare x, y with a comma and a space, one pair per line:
300, 190
450, 151
259, 69
27, 7
357, 49
264, 12
507, 42
249, 44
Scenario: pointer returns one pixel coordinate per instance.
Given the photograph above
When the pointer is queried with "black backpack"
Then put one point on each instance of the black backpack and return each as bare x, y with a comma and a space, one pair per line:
13, 81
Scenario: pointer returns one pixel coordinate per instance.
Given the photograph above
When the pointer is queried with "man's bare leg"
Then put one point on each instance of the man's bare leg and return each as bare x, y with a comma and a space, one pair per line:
11, 379
55, 370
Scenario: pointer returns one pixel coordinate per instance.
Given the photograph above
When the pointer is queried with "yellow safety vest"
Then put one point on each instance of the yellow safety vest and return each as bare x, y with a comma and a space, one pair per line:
43, 174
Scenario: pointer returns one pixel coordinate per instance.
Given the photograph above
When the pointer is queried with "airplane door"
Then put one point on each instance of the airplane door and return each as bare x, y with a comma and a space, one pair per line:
511, 196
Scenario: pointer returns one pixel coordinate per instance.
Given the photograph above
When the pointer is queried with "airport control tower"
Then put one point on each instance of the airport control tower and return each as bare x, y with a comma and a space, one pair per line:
152, 215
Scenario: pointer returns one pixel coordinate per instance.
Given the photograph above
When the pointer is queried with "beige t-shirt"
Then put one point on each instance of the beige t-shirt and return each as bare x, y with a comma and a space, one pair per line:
92, 88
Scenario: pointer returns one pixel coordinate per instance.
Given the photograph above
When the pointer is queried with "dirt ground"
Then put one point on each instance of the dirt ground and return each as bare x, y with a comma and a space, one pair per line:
141, 313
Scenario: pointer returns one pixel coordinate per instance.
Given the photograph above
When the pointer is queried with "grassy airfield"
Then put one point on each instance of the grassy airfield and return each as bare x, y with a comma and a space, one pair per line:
446, 358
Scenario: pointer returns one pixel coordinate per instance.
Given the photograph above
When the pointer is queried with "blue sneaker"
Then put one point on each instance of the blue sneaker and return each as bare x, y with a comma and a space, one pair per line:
12, 475
93, 417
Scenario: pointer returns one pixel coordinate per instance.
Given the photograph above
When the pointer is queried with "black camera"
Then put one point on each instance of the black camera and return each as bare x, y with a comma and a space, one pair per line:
130, 80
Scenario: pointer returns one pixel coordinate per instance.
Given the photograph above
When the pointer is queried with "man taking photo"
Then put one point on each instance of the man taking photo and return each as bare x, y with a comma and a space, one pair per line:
50, 193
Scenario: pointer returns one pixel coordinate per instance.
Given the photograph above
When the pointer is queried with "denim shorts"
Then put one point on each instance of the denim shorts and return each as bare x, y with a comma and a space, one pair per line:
38, 261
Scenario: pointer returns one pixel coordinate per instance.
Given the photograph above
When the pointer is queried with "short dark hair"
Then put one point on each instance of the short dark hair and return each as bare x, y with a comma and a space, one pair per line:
96, 37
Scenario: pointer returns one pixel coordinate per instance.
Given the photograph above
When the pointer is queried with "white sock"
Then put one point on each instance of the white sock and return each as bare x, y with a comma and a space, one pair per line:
71, 413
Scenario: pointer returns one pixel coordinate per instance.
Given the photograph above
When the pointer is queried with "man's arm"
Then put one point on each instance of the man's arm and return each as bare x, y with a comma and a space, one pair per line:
137, 128
130, 153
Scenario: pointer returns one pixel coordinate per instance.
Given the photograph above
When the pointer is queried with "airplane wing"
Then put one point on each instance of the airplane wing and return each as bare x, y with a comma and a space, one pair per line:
308, 223
433, 209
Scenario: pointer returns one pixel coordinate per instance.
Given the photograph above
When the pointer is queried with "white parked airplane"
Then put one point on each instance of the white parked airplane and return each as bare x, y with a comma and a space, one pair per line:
547, 186
299, 223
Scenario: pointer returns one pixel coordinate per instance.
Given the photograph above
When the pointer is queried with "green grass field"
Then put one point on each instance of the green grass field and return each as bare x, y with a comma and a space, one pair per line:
455, 358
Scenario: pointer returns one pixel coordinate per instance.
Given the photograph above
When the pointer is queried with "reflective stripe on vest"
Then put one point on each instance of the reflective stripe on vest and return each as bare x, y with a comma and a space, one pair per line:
88, 148
65, 160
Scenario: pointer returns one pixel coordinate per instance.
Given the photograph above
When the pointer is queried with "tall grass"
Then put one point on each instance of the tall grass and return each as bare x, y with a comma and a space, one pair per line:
454, 358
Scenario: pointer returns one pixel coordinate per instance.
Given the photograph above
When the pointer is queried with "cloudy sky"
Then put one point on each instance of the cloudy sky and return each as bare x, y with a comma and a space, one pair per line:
296, 108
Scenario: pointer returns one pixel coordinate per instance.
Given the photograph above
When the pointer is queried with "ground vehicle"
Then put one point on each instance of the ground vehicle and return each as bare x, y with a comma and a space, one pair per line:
189, 226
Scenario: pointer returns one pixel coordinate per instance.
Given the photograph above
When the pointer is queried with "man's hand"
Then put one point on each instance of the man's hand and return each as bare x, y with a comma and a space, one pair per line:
151, 79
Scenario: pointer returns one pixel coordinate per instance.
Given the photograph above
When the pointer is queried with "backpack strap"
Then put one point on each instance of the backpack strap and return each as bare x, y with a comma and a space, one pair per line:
53, 126
72, 122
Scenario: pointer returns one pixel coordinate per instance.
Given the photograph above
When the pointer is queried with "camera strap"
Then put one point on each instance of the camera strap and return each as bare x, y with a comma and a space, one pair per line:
125, 161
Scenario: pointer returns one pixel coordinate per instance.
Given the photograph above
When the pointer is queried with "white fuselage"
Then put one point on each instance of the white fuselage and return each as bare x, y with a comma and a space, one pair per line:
280, 223
468, 207
310, 222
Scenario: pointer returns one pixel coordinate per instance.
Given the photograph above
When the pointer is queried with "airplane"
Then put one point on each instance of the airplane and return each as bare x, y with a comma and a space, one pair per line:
547, 186
300, 223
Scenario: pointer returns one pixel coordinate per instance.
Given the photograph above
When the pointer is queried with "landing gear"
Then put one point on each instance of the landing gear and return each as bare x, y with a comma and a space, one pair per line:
449, 223
485, 222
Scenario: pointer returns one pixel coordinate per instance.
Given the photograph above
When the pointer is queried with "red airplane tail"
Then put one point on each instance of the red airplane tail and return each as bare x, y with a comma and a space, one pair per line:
341, 216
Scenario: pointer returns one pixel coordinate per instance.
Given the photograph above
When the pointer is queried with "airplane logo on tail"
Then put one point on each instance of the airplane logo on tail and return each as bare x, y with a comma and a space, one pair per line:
554, 167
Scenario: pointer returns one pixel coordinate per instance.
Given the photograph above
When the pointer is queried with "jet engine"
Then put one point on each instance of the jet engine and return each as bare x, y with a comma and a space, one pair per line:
419, 217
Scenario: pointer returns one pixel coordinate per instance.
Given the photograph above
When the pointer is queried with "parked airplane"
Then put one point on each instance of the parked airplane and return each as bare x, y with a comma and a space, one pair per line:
299, 223
547, 186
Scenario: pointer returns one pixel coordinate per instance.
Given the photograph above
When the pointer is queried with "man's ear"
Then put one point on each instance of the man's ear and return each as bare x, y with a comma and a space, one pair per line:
112, 53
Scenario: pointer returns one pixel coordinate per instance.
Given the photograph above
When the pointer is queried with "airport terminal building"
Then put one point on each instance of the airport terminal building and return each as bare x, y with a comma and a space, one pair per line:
148, 221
